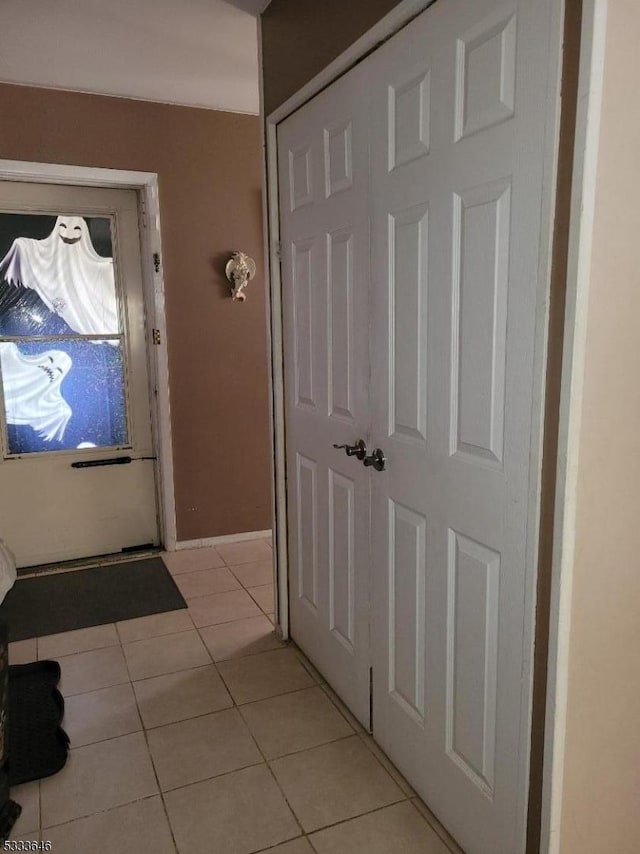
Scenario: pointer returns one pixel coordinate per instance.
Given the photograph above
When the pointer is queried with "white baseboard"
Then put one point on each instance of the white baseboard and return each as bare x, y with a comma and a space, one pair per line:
218, 541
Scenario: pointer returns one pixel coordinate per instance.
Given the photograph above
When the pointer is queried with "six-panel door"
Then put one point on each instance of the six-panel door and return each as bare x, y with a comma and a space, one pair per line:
323, 160
458, 147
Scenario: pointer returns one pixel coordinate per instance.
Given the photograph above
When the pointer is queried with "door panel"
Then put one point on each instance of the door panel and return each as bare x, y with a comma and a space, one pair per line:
449, 514
481, 218
73, 361
325, 273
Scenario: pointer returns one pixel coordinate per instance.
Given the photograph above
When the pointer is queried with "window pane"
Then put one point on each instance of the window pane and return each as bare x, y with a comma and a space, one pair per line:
62, 395
56, 276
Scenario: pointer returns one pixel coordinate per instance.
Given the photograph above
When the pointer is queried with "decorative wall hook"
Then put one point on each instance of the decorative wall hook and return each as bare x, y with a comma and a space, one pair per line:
240, 270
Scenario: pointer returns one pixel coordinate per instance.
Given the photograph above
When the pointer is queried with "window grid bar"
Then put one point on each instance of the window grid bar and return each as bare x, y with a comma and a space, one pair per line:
30, 339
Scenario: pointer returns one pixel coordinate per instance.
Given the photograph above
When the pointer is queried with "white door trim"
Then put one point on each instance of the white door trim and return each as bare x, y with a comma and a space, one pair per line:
583, 198
146, 185
586, 140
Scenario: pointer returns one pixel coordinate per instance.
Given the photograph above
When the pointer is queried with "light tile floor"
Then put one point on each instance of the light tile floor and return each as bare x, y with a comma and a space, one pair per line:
198, 732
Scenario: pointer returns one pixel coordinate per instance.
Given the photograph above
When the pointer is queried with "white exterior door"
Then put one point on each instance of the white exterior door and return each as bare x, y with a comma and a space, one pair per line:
323, 159
458, 151
456, 123
77, 472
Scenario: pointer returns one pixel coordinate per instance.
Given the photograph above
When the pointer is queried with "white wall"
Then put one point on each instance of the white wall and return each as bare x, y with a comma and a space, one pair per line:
203, 53
601, 782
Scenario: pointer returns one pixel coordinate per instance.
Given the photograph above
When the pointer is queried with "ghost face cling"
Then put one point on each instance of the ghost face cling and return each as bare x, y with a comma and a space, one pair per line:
70, 229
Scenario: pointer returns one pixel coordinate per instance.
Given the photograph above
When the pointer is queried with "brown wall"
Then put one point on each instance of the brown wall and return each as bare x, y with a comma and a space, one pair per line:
301, 37
601, 794
208, 164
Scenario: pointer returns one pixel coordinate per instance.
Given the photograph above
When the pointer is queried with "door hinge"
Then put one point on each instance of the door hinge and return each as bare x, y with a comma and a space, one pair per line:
157, 338
278, 250
143, 212
371, 699
156, 261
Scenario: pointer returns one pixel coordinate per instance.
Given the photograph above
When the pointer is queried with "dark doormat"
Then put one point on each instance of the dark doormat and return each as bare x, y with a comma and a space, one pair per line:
49, 604
38, 746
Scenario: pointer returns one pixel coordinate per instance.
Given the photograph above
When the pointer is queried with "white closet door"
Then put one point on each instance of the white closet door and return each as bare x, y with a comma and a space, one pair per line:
458, 133
323, 160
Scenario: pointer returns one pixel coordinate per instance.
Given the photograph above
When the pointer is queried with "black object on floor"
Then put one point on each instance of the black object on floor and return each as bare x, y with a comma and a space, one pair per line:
9, 810
38, 746
49, 604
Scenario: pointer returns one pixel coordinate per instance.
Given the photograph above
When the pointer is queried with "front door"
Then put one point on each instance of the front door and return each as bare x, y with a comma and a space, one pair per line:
77, 470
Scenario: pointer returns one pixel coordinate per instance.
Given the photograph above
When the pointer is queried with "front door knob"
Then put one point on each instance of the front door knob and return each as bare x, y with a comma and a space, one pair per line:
377, 459
358, 450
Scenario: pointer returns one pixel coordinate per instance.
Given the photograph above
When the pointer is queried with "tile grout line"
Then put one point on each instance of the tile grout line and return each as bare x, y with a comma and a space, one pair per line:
362, 735
264, 761
102, 741
206, 779
308, 666
146, 729
143, 678
381, 763
437, 832
353, 734
153, 765
217, 661
264, 758
168, 672
108, 738
163, 634
302, 749
172, 672
271, 696
102, 811
274, 696
356, 817
194, 597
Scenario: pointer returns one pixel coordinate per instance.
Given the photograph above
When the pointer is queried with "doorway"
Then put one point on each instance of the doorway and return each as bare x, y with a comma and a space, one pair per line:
78, 474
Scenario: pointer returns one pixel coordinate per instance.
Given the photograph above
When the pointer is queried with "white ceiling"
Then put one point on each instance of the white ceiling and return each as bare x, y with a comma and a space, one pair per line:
202, 53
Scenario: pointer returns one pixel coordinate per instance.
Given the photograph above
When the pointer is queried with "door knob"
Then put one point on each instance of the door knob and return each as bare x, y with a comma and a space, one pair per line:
358, 450
377, 459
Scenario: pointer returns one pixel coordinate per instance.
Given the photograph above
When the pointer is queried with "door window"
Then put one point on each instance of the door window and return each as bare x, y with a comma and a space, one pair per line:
62, 353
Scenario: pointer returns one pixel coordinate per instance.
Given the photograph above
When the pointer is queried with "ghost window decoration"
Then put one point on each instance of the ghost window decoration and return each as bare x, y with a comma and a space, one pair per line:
32, 390
62, 370
68, 275
240, 269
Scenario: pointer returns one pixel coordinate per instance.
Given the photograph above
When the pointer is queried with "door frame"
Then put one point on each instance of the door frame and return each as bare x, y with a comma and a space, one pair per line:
591, 70
145, 184
583, 203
